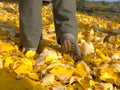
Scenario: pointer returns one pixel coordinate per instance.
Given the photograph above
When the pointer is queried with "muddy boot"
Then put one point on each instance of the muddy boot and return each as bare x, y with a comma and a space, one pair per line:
70, 46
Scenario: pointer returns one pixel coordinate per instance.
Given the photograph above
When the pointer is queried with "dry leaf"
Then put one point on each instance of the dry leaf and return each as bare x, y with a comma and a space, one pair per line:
64, 78
103, 86
33, 76
8, 62
30, 54
39, 87
84, 82
60, 71
87, 48
108, 75
48, 80
82, 70
59, 88
1, 64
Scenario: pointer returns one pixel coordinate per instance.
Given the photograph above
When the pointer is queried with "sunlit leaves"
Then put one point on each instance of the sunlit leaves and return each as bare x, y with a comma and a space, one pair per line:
98, 70
82, 70
30, 54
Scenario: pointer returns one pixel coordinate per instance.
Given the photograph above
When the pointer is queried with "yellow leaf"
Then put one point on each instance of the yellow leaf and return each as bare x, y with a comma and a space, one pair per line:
30, 54
7, 80
59, 88
51, 60
92, 82
51, 56
101, 25
102, 55
23, 69
1, 63
70, 87
58, 70
62, 70
6, 47
33, 76
48, 80
84, 82
1, 56
80, 36
27, 62
112, 39
98, 62
57, 83
108, 75
88, 48
51, 25
67, 59
103, 86
64, 78
39, 87
77, 86
25, 83
8, 62
89, 58
81, 70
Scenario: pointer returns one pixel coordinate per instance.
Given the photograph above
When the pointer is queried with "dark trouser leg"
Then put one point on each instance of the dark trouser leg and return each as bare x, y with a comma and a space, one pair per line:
65, 18
66, 26
30, 23
80, 4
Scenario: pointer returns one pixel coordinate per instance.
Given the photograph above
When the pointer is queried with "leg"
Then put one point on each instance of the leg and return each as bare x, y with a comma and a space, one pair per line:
30, 23
81, 5
66, 26
64, 17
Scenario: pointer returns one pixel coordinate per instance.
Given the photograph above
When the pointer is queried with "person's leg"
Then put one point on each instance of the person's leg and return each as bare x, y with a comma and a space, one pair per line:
64, 17
80, 5
66, 26
30, 23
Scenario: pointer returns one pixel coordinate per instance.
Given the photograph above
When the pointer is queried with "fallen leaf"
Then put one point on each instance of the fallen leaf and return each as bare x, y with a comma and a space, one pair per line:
82, 70
30, 54
59, 88
63, 78
48, 80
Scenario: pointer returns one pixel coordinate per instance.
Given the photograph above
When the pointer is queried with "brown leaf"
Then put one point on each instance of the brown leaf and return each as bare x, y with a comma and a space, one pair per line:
64, 78
48, 80
87, 48
59, 88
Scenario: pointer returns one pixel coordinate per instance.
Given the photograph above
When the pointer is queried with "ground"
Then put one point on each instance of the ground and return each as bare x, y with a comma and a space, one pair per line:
98, 39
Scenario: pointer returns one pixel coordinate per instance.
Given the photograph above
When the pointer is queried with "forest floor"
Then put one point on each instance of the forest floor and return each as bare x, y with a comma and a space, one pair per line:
99, 41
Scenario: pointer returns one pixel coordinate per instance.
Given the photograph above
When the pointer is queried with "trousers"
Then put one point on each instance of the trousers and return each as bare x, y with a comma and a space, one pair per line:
64, 13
